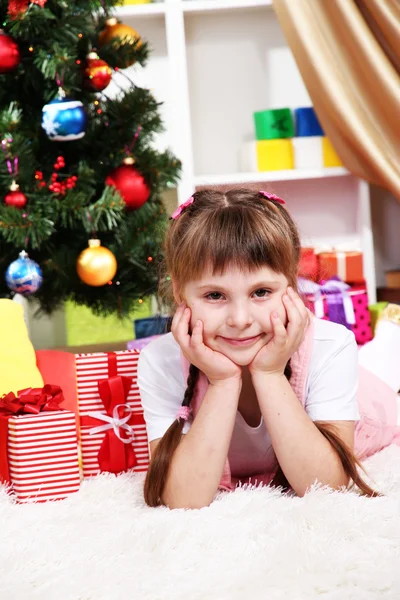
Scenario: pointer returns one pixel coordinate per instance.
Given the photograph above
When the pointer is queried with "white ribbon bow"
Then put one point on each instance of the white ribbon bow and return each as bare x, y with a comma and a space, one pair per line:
115, 422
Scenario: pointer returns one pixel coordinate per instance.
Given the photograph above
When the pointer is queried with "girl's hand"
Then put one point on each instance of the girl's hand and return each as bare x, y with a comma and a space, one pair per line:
273, 357
217, 367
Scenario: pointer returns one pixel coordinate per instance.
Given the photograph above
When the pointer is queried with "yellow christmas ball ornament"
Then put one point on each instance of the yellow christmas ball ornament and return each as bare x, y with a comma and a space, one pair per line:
115, 29
96, 265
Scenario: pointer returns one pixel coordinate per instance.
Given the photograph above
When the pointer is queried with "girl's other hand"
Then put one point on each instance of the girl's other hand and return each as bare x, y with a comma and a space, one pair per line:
217, 367
273, 357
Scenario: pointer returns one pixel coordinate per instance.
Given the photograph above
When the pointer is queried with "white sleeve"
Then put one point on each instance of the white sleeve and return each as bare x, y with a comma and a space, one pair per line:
161, 386
333, 381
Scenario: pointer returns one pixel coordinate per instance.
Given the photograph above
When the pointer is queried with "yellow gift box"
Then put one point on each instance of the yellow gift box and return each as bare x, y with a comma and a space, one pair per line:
274, 155
330, 158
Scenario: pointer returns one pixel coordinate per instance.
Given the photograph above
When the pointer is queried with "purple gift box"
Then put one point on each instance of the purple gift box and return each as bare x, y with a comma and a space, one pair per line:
141, 343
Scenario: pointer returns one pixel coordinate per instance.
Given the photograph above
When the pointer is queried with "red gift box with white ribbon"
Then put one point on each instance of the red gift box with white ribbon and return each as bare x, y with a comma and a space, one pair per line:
38, 445
113, 436
308, 264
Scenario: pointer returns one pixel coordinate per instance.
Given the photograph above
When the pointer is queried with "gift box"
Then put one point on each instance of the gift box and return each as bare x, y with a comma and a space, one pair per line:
141, 343
113, 434
248, 157
308, 265
307, 123
274, 124
330, 157
307, 152
274, 155
375, 311
336, 301
38, 445
393, 279
151, 326
347, 265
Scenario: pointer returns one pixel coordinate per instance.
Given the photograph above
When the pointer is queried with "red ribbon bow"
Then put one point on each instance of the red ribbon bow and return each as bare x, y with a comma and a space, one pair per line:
29, 401
32, 401
115, 455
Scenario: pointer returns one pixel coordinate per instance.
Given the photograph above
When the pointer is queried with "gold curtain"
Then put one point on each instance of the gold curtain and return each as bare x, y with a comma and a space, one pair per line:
348, 53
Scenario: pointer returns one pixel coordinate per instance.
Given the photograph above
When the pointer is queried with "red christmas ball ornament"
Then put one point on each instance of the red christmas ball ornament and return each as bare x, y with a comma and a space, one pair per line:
130, 184
9, 53
15, 197
97, 73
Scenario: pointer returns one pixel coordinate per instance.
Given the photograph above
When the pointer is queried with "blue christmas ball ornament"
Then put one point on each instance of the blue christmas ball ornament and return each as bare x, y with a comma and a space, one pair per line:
64, 119
24, 275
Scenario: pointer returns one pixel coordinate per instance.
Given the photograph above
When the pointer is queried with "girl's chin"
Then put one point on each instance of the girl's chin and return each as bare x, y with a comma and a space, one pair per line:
242, 361
240, 356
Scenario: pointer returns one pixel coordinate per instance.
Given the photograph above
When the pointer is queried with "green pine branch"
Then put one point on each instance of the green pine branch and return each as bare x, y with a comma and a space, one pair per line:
55, 226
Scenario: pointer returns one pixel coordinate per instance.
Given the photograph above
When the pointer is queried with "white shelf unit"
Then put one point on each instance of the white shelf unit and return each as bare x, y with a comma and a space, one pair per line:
270, 176
213, 64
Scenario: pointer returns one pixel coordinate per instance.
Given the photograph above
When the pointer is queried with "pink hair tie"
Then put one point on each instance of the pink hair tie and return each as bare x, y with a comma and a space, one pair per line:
269, 196
184, 413
182, 207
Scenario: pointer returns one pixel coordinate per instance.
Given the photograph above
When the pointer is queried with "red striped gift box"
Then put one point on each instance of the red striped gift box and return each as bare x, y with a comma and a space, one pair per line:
42, 454
92, 369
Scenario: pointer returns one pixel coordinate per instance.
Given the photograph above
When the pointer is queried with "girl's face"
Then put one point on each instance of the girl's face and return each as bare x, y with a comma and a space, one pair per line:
235, 309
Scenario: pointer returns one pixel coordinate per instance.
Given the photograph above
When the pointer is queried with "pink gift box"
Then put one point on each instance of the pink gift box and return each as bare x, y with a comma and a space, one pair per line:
105, 432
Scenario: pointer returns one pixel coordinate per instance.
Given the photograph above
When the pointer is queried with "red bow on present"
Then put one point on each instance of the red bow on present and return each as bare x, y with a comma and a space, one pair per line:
116, 452
29, 401
32, 401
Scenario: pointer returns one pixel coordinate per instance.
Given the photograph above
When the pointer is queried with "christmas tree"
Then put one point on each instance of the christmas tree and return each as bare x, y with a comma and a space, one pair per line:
76, 163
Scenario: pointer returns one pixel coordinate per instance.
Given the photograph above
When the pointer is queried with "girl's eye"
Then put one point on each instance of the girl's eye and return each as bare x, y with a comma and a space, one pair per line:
262, 293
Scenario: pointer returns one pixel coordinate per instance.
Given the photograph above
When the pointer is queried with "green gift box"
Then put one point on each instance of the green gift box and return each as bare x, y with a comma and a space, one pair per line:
274, 124
375, 310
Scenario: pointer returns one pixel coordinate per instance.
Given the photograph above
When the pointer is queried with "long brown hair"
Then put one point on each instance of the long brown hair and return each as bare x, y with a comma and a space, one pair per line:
240, 228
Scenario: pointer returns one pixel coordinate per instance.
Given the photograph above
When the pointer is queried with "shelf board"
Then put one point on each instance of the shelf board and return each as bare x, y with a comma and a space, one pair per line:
152, 9
202, 6
385, 294
264, 176
189, 6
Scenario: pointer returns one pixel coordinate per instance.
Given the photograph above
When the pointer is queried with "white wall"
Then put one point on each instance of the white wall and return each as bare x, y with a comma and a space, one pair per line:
238, 63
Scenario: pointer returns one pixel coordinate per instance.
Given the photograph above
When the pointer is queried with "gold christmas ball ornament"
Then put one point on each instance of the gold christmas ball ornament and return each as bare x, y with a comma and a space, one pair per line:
115, 29
96, 265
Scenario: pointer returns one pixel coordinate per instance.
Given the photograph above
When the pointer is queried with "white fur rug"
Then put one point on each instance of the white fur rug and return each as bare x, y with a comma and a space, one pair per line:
104, 544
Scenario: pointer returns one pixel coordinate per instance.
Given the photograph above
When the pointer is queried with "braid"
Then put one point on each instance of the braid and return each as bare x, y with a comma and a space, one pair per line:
157, 473
191, 384
288, 370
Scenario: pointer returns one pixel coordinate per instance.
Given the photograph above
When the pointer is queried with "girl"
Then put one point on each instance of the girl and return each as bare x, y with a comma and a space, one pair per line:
271, 393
